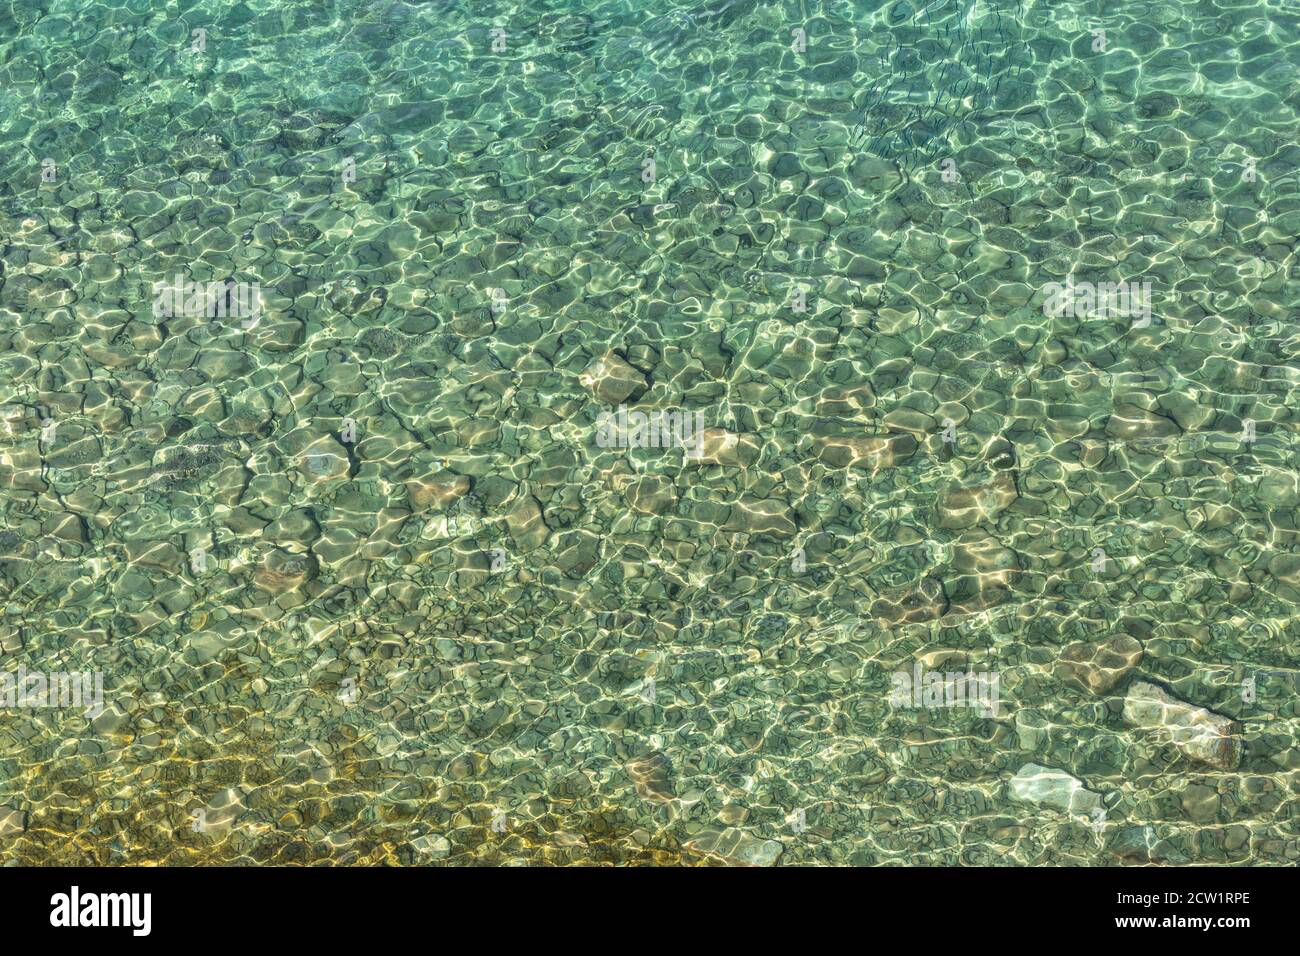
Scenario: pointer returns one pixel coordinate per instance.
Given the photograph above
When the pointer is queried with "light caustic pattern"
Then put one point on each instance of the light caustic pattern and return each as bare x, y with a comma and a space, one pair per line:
613, 426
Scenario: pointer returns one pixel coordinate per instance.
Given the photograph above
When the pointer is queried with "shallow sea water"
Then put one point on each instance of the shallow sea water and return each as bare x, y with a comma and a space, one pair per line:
366, 583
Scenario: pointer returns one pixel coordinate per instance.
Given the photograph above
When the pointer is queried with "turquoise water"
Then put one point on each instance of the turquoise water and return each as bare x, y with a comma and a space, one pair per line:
616, 411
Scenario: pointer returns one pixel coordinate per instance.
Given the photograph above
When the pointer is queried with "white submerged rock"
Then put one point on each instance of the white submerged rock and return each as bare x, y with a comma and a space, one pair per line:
1047, 787
1200, 734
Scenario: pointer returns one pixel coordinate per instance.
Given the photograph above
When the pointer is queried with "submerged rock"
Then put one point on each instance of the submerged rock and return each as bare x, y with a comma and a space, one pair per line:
651, 494
526, 524
223, 811
612, 380
1130, 423
1200, 734
767, 516
1099, 667
439, 491
653, 777
1032, 730
282, 571
924, 601
721, 447
736, 846
432, 845
1279, 490
866, 453
12, 821
324, 460
1052, 788
1141, 843
967, 507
